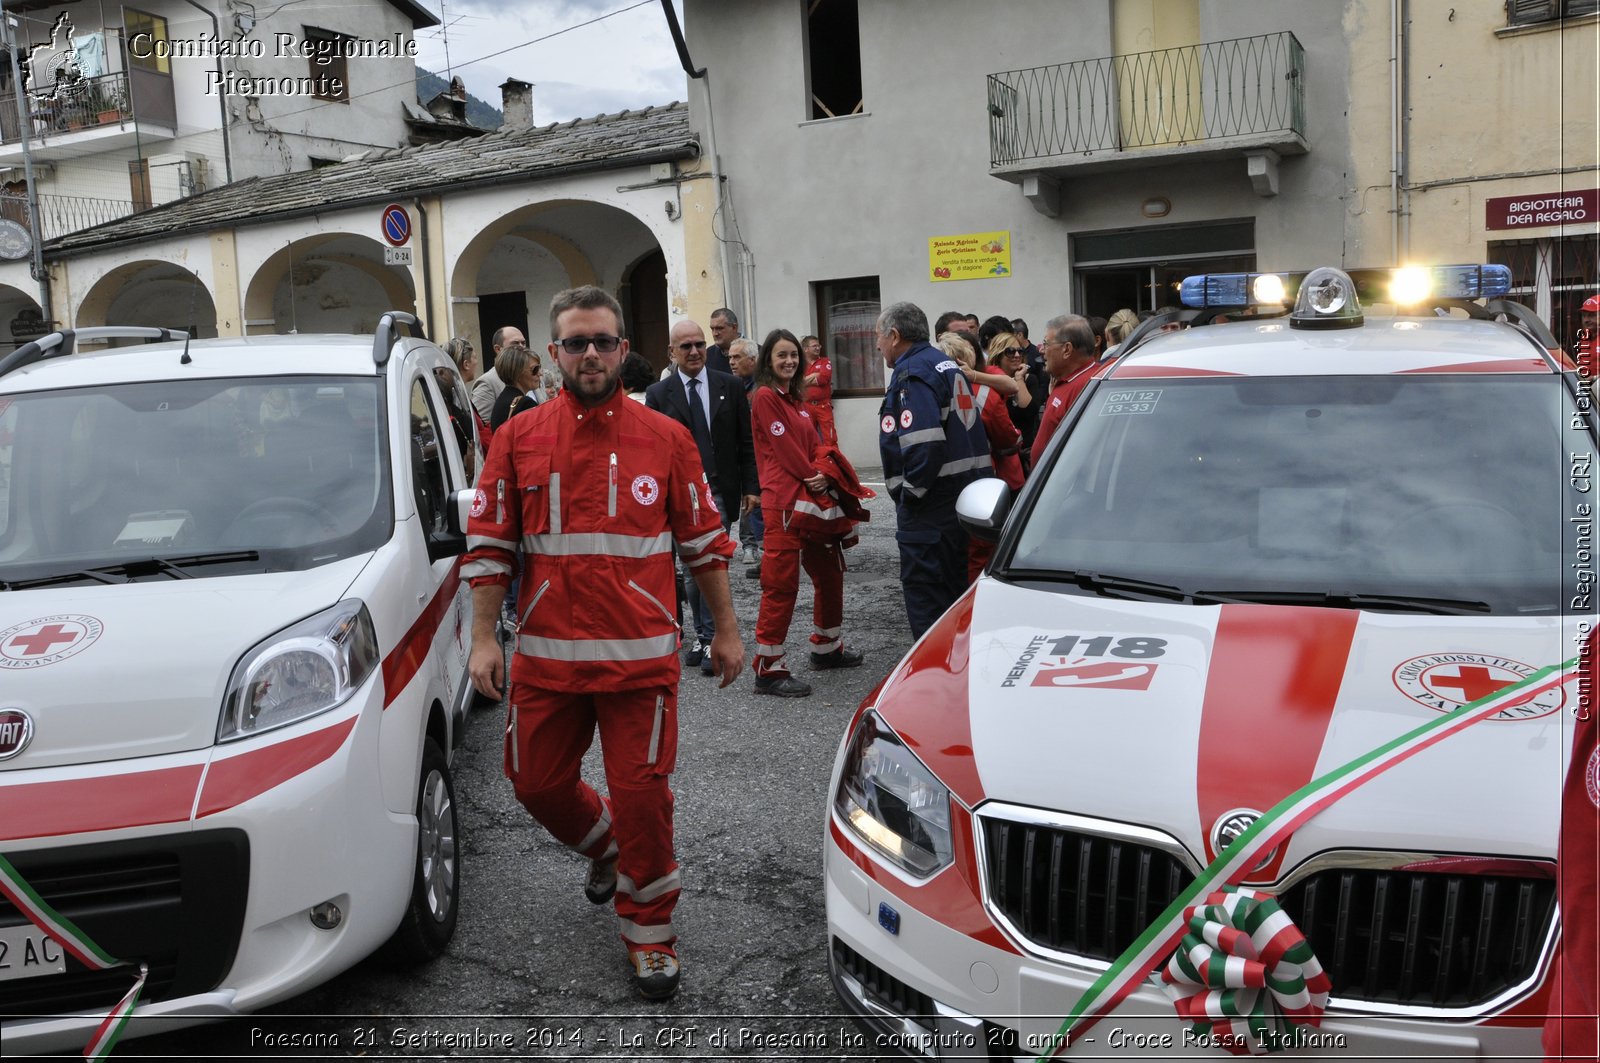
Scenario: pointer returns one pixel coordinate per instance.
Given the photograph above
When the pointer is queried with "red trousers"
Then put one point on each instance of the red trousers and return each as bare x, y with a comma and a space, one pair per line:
783, 555
548, 733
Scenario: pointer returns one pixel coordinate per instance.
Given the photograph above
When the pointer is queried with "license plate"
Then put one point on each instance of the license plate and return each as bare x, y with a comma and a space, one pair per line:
28, 952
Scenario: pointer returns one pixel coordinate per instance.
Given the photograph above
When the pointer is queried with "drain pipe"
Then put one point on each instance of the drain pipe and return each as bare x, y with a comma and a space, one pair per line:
222, 97
1394, 132
427, 270
700, 74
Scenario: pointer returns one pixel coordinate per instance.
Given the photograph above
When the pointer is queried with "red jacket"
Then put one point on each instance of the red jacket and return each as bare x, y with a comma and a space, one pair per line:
1571, 1031
1005, 442
595, 498
786, 444
833, 513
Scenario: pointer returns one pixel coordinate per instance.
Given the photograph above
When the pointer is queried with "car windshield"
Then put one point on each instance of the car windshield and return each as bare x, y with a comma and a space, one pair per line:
1395, 488
222, 475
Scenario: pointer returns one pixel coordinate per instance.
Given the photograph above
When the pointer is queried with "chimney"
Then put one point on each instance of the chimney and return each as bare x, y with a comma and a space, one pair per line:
516, 104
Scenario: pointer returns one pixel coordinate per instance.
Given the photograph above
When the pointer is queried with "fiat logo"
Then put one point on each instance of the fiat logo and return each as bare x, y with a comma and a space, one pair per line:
1229, 826
16, 731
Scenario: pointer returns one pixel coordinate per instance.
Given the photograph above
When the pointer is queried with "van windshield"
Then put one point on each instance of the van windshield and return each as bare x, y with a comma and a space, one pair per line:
244, 474
1447, 492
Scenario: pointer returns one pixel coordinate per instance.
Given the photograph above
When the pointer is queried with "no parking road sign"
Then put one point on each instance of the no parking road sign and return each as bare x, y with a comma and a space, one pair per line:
396, 225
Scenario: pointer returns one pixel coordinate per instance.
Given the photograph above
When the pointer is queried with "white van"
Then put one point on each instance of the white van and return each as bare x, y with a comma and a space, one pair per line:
233, 643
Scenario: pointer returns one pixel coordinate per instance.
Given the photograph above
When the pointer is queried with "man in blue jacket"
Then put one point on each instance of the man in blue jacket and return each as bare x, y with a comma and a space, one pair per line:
932, 443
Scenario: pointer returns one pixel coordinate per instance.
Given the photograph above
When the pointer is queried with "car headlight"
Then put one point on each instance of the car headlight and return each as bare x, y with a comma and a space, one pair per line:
892, 801
306, 668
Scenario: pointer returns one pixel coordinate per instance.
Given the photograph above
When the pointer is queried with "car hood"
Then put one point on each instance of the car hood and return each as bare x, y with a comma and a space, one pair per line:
139, 669
1175, 717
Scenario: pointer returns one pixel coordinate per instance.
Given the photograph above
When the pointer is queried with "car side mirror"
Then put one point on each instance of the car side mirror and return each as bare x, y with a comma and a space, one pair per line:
982, 507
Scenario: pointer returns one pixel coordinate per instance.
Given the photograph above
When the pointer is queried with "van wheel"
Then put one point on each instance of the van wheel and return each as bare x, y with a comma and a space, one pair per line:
430, 918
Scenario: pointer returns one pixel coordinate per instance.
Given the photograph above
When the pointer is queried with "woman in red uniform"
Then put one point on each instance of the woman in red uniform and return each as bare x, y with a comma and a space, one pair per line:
818, 380
786, 444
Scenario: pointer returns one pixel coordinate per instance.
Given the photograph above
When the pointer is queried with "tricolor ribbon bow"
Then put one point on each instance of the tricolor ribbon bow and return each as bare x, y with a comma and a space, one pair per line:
1244, 974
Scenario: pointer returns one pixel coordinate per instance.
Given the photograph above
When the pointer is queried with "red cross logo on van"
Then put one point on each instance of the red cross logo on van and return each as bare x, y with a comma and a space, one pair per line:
46, 640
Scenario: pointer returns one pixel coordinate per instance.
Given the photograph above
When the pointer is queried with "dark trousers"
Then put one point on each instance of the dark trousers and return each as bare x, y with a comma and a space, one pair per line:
933, 566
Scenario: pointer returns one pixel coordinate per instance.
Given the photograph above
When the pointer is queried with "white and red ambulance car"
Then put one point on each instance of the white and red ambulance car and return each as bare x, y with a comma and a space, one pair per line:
232, 669
1257, 551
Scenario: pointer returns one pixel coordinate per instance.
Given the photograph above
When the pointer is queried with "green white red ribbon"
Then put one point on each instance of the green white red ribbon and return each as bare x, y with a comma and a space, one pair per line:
1244, 975
80, 947
1273, 829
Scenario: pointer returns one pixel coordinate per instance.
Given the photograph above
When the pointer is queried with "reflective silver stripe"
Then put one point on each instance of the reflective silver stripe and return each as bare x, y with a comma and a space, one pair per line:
602, 544
763, 650
645, 935
511, 739
915, 492
921, 435
483, 542
893, 482
655, 734
694, 501
596, 832
702, 560
831, 513
586, 650
484, 567
654, 891
555, 503
536, 596
653, 600
826, 647
831, 632
982, 395
951, 468
694, 546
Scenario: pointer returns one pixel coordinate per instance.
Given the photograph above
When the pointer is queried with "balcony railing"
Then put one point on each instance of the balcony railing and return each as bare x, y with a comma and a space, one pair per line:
1250, 87
75, 105
59, 215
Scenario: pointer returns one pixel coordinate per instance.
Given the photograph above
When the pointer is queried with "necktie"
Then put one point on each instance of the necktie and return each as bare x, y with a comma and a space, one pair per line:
697, 425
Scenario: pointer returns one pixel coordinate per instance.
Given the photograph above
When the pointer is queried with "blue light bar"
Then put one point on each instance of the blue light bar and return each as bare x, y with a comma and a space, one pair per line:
1471, 281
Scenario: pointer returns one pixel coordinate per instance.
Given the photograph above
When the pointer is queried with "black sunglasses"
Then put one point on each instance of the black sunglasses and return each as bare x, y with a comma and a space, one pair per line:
692, 345
580, 344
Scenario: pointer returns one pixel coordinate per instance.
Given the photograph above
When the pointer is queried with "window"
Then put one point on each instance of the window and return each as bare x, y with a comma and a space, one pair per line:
146, 37
833, 58
427, 461
1525, 12
847, 321
1553, 277
330, 68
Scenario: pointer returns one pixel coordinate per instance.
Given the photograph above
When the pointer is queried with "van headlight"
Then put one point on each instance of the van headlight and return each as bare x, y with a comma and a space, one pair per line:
892, 801
306, 668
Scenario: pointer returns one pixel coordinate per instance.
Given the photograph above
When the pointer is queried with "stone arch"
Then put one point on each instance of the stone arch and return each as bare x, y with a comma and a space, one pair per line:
538, 248
21, 317
150, 294
326, 282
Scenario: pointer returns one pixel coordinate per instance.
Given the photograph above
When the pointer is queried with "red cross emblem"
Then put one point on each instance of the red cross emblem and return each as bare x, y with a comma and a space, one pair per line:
1474, 682
965, 408
1446, 681
46, 640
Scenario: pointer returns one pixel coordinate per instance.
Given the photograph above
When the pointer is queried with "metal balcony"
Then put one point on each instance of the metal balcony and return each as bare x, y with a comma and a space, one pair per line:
59, 215
85, 117
1224, 99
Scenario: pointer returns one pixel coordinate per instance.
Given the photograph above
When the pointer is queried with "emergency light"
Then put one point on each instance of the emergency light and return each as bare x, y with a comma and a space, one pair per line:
1402, 286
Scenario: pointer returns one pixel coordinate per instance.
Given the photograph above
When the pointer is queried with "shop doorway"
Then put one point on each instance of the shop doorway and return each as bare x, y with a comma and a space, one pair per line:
1140, 269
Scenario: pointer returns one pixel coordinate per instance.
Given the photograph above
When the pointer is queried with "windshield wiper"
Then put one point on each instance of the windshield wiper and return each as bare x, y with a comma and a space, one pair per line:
1118, 586
1418, 603
125, 571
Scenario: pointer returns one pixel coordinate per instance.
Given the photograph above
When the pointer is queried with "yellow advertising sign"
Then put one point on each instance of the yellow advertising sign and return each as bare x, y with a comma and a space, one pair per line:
969, 256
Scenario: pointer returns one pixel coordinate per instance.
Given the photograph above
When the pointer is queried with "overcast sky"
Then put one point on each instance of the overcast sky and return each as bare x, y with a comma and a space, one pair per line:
623, 61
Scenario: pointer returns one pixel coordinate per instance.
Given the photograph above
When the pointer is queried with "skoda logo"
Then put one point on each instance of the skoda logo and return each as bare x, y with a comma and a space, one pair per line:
1229, 826
16, 731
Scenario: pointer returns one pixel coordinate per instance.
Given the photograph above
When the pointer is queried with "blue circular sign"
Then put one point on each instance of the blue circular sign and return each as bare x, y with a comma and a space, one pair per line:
396, 225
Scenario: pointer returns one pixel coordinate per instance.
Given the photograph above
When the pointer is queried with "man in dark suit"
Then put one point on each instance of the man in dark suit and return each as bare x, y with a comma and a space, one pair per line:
715, 408
724, 329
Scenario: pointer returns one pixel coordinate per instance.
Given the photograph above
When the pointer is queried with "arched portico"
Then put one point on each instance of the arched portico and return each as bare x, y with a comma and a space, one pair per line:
149, 294
326, 282
509, 270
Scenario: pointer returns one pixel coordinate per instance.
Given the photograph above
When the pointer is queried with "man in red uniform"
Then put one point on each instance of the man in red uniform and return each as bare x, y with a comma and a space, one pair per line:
596, 489
818, 382
1069, 359
1573, 1005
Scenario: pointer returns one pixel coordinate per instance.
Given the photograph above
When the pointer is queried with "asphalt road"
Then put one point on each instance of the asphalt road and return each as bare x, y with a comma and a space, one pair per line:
535, 971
